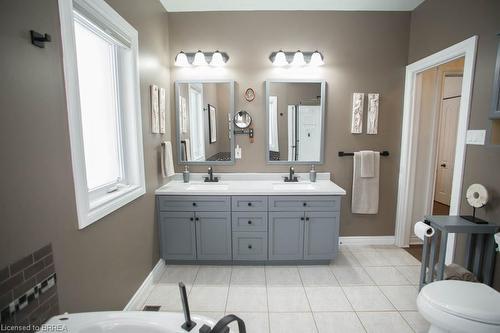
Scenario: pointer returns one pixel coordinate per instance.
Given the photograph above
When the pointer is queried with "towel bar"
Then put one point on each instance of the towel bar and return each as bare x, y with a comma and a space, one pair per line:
342, 154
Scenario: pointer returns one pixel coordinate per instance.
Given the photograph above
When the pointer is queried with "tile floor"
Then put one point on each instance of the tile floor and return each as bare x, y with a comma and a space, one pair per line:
366, 289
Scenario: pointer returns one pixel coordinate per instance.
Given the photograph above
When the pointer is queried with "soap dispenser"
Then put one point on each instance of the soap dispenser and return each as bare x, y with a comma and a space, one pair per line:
185, 174
312, 174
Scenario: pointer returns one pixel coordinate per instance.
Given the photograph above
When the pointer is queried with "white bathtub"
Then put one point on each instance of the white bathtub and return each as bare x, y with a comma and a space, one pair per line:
122, 322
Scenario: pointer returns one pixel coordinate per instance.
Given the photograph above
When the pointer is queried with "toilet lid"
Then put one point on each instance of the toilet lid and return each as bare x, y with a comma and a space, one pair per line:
473, 301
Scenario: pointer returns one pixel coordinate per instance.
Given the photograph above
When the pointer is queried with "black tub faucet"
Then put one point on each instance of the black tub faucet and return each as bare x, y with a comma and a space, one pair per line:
211, 178
291, 176
221, 326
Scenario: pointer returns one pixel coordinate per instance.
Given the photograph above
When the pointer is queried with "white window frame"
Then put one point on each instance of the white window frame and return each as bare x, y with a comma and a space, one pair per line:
92, 207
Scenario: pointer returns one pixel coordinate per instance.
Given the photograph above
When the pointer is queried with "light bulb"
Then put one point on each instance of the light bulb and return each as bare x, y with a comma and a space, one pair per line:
298, 59
316, 59
181, 60
217, 59
280, 59
199, 59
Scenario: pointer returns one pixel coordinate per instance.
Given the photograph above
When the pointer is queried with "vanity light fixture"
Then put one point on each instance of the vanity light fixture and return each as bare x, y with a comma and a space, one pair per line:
296, 59
280, 59
316, 59
181, 60
217, 59
200, 58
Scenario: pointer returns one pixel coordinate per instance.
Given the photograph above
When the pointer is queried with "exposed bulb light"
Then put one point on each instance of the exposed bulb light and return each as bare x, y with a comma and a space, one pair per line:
316, 59
280, 59
298, 59
181, 60
217, 59
199, 59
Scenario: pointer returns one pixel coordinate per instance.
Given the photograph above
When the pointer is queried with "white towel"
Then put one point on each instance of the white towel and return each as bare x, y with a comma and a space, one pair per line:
167, 161
368, 163
365, 191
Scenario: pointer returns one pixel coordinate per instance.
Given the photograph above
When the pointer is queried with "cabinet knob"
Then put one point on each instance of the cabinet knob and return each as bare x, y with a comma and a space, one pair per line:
249, 204
304, 204
249, 222
307, 219
197, 219
249, 246
191, 219
302, 219
194, 203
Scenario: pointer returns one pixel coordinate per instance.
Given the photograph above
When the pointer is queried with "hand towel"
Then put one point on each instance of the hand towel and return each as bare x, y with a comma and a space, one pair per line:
365, 191
368, 163
167, 161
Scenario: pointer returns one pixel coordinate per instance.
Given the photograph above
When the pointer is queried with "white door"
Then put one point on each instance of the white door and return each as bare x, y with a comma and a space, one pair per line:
196, 129
309, 132
448, 122
291, 132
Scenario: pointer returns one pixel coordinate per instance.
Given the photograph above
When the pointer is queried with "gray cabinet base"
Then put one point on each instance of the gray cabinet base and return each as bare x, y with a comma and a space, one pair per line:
249, 262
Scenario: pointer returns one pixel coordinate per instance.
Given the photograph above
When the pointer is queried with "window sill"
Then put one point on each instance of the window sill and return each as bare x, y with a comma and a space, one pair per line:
111, 202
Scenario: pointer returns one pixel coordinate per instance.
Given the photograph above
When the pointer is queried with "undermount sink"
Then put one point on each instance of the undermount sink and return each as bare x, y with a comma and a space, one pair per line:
208, 187
292, 186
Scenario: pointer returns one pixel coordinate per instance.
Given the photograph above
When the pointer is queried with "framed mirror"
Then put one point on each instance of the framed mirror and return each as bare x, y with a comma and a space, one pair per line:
242, 119
295, 112
204, 111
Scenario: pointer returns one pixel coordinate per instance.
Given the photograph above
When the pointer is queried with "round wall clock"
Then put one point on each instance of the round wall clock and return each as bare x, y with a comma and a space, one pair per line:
249, 94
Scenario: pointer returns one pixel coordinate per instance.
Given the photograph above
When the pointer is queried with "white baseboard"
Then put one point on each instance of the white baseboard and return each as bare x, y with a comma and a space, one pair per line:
367, 240
142, 293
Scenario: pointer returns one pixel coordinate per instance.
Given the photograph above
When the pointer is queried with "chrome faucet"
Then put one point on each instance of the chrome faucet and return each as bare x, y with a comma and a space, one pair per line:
291, 176
211, 178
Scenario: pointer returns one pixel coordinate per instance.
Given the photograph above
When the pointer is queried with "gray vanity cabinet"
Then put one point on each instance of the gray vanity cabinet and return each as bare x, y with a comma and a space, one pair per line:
321, 232
177, 235
213, 235
286, 235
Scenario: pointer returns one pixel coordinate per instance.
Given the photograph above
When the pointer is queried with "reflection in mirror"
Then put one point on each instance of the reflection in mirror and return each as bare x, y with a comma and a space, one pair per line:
242, 119
204, 111
295, 121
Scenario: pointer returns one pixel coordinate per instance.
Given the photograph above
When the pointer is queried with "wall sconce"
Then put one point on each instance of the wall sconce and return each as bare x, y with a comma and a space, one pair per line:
200, 58
296, 59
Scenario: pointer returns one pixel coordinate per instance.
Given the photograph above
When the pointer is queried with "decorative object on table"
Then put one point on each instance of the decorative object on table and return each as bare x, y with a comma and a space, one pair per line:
477, 197
372, 117
184, 115
162, 102
155, 113
249, 94
212, 123
358, 101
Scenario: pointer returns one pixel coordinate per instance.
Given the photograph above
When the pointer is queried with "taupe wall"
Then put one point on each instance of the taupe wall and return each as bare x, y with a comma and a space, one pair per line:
100, 267
364, 52
437, 24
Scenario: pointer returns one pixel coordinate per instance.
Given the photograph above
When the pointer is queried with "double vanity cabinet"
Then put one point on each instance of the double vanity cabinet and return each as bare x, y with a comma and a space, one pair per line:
247, 228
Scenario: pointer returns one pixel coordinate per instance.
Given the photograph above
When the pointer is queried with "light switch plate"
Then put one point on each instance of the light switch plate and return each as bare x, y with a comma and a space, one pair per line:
476, 137
237, 152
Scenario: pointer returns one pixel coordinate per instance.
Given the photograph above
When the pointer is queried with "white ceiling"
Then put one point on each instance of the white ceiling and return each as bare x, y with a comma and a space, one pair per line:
236, 5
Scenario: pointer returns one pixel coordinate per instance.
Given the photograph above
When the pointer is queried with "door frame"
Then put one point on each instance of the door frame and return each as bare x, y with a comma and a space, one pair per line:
409, 137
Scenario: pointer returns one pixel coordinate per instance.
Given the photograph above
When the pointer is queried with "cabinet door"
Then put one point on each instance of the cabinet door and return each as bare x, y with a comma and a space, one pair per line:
213, 235
321, 235
177, 235
286, 235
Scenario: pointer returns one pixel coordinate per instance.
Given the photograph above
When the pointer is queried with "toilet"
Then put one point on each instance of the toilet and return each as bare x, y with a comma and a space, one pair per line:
459, 306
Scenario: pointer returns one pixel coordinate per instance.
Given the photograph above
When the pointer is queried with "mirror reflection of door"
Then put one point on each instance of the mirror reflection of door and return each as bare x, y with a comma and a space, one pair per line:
308, 133
196, 130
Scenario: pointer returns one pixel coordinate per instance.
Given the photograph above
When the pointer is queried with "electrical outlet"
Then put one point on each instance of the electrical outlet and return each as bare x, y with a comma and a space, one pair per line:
476, 137
237, 152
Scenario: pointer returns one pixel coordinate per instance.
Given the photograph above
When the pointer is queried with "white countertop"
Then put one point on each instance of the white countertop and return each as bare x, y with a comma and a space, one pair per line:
251, 184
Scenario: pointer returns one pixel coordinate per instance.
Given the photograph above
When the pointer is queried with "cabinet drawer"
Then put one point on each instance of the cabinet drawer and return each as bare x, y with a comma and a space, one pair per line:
318, 203
249, 203
249, 245
194, 203
249, 221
